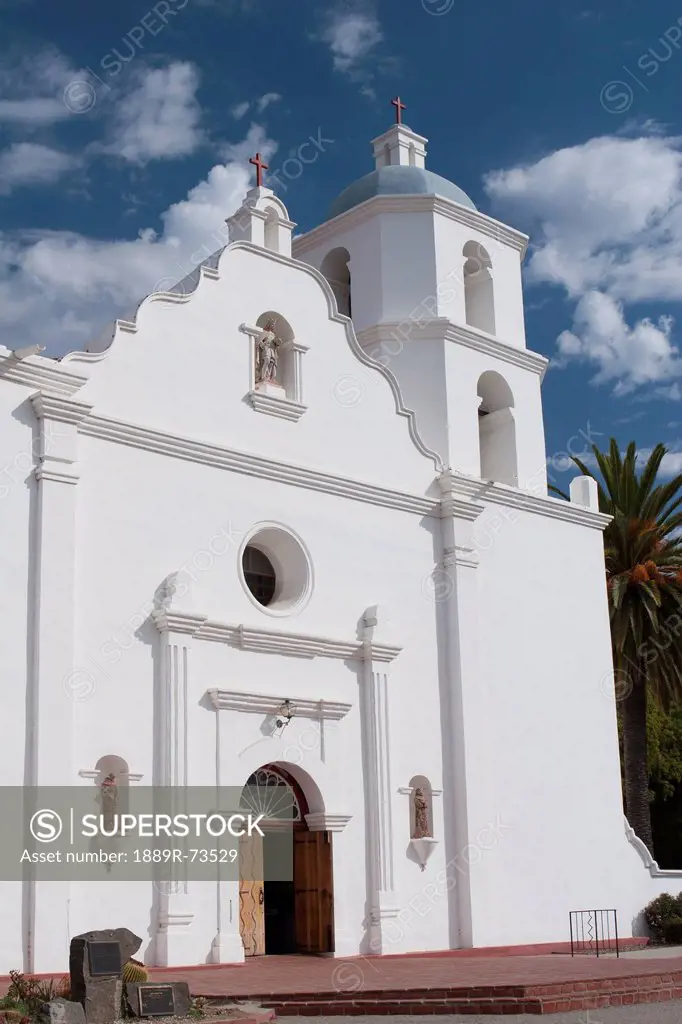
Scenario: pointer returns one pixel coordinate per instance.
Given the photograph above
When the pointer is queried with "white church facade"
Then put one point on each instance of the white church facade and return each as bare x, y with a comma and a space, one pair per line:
308, 486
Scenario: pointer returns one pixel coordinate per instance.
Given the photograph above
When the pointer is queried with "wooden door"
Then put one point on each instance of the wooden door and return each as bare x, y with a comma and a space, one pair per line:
251, 895
313, 892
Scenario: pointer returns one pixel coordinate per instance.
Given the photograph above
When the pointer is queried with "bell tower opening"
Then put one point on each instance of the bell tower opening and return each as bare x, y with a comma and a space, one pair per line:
478, 288
497, 430
336, 268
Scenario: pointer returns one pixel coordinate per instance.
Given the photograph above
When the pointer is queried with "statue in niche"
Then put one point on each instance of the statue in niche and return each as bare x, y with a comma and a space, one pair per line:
266, 354
421, 815
109, 793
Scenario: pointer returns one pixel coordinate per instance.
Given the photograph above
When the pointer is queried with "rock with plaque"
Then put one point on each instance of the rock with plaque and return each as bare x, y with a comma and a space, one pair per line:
95, 963
165, 1000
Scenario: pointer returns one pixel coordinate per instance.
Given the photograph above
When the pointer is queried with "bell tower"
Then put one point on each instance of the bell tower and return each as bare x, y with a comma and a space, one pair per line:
433, 287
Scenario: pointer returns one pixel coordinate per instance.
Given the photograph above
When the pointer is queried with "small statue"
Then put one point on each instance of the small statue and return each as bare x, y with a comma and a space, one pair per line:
421, 815
109, 800
266, 354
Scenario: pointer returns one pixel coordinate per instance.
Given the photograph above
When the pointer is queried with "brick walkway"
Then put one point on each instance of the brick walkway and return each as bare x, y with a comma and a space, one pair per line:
504, 984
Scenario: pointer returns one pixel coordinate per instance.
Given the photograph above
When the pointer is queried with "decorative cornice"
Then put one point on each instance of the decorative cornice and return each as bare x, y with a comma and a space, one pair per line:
485, 491
412, 204
56, 407
460, 556
649, 863
502, 350
295, 644
93, 773
57, 473
408, 790
167, 621
459, 334
40, 372
450, 505
237, 461
262, 704
283, 408
322, 821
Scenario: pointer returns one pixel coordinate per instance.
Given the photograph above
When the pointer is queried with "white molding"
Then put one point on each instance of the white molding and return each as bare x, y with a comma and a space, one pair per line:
492, 346
64, 475
409, 790
459, 334
148, 439
93, 773
167, 621
40, 372
323, 821
485, 491
411, 204
250, 638
60, 408
647, 859
263, 704
283, 408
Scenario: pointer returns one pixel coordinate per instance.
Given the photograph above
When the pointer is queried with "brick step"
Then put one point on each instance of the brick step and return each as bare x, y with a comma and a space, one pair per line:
372, 1007
562, 988
536, 1000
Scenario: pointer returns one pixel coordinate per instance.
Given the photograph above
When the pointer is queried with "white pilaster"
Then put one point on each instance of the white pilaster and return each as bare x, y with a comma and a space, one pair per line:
55, 687
468, 799
227, 946
383, 900
294, 382
176, 625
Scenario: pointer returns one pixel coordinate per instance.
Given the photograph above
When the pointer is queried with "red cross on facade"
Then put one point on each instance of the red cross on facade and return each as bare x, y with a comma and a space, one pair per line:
399, 107
260, 167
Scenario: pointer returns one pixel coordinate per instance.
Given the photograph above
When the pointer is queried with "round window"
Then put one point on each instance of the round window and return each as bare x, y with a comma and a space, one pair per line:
275, 570
259, 574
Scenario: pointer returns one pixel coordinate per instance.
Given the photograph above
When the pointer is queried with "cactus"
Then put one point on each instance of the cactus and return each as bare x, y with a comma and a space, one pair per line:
134, 971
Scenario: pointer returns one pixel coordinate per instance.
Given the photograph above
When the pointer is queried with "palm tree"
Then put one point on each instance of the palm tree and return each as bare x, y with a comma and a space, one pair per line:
643, 555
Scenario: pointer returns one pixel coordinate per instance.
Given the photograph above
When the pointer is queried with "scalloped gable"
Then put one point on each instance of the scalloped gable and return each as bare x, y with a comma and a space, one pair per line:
183, 366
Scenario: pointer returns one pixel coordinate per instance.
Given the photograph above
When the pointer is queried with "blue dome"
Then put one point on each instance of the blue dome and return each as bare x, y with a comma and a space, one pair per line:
398, 180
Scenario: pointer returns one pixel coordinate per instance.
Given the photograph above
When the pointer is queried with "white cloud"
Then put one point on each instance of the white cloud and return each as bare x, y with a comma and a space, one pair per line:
33, 89
351, 36
159, 118
671, 464
628, 356
239, 109
606, 223
60, 289
259, 105
26, 163
266, 99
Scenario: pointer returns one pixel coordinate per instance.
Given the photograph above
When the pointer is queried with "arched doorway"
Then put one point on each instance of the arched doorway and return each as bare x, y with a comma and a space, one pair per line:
277, 914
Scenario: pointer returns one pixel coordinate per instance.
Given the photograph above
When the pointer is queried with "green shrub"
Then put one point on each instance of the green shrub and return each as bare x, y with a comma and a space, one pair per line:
660, 911
672, 930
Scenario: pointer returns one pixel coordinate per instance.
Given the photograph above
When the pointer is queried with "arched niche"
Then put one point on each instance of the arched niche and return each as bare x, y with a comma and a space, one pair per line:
113, 765
272, 233
336, 268
479, 300
285, 363
497, 429
420, 785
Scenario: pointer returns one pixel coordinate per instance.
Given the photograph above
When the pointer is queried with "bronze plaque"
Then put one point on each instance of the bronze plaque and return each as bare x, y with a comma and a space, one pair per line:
104, 959
156, 1000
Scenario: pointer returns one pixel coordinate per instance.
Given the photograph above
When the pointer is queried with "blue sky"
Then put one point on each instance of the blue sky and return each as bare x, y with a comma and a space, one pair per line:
125, 131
